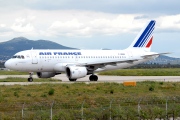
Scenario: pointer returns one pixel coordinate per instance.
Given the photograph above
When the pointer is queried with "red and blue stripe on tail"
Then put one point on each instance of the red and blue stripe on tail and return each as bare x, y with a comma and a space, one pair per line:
145, 37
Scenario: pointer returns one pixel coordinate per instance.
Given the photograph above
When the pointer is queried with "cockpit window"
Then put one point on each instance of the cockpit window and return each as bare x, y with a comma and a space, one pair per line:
14, 56
18, 56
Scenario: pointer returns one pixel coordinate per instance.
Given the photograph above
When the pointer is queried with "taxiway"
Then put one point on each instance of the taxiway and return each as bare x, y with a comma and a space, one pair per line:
102, 78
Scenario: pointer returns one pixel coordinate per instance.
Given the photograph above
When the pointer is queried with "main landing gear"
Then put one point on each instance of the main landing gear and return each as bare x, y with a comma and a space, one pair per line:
93, 77
30, 79
72, 79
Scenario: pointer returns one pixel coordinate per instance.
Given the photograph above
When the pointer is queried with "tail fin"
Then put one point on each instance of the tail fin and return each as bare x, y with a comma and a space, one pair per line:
144, 39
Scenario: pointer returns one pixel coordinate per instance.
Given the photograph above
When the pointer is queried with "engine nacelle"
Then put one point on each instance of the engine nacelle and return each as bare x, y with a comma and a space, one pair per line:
74, 72
45, 74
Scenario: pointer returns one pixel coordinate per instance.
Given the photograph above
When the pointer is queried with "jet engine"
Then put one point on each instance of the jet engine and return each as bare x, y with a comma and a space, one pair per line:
46, 74
74, 72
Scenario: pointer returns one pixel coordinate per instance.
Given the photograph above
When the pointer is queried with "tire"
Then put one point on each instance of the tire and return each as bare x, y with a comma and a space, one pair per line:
72, 79
93, 78
30, 79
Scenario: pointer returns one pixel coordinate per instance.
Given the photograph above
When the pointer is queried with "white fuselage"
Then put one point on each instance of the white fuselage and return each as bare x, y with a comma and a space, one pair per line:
57, 60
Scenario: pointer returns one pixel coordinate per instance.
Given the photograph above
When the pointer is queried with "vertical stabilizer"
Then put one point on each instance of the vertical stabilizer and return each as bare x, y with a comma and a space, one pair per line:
145, 37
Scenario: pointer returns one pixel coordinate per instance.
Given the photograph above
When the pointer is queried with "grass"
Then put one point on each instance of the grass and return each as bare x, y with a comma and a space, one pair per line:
122, 72
4, 72
16, 79
69, 97
144, 72
92, 93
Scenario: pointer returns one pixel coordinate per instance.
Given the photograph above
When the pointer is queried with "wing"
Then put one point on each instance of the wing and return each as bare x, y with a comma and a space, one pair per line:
153, 55
99, 64
104, 63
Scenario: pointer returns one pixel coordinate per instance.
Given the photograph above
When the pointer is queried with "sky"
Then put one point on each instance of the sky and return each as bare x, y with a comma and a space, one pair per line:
88, 24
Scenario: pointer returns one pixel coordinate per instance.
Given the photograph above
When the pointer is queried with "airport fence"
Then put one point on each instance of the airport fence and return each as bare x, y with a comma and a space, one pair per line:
114, 109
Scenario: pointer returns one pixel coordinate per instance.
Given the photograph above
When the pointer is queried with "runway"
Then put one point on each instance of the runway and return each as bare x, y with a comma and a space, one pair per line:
101, 78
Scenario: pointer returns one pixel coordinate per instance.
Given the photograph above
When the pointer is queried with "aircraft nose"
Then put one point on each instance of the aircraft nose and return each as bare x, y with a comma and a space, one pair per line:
7, 64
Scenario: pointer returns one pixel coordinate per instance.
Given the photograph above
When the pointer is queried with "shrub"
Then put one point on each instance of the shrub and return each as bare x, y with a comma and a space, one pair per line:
151, 88
43, 95
111, 91
51, 91
16, 94
29, 95
161, 83
67, 87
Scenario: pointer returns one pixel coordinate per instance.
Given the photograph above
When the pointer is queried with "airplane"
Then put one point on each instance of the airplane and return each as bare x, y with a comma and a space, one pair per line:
80, 63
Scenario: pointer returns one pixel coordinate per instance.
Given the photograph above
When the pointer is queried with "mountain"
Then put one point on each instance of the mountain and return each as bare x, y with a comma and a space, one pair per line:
9, 48
162, 59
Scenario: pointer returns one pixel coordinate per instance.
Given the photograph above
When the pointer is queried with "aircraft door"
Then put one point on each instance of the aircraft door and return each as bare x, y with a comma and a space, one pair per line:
76, 58
130, 54
34, 57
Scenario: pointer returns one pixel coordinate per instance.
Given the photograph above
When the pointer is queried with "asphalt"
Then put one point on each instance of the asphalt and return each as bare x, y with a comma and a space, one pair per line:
101, 78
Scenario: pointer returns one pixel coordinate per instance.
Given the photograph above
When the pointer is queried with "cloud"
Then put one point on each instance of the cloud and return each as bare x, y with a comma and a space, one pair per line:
67, 28
169, 23
141, 17
4, 30
23, 25
79, 23
70, 21
98, 24
115, 6
150, 7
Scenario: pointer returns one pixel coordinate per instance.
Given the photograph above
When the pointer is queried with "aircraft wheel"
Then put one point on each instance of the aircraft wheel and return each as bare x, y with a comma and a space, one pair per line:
72, 79
30, 79
93, 78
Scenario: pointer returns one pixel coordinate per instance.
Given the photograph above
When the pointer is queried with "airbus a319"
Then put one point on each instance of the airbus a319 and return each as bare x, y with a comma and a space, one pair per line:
80, 63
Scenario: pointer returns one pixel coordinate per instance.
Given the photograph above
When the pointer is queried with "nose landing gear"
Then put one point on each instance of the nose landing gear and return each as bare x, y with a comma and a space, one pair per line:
30, 79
